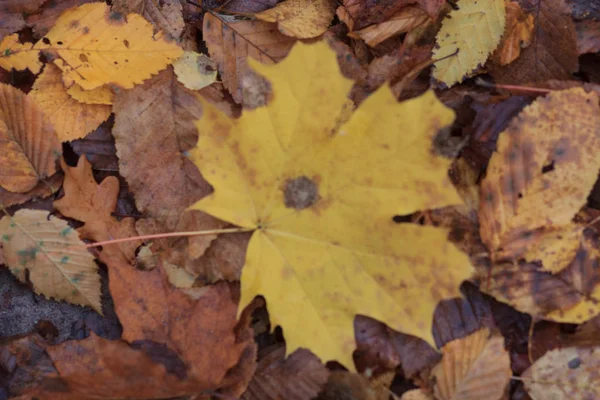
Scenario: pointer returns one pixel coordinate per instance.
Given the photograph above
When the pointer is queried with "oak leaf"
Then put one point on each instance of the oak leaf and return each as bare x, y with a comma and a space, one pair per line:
50, 253
467, 37
94, 46
325, 247
30, 146
302, 19
19, 56
70, 118
475, 367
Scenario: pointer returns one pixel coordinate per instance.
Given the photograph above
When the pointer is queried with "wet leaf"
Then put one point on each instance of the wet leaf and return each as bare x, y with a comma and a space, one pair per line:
49, 252
305, 196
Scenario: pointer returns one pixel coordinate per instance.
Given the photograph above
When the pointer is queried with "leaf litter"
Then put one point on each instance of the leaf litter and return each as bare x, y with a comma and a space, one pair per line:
302, 198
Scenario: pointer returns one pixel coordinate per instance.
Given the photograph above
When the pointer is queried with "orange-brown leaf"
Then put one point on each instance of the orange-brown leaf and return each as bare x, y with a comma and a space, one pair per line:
517, 33
30, 147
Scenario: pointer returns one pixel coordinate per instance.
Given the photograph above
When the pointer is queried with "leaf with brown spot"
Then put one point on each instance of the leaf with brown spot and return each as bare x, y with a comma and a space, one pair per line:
542, 172
476, 367
43, 21
518, 33
19, 56
232, 43
30, 146
70, 118
553, 51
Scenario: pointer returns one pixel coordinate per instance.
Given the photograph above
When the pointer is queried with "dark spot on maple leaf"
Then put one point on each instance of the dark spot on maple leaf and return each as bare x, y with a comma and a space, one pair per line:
74, 24
114, 16
86, 30
59, 43
27, 255
548, 167
399, 219
520, 195
126, 43
46, 41
83, 58
300, 193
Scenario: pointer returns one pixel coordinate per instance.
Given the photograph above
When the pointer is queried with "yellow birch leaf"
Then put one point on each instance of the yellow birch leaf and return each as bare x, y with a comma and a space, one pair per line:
466, 38
59, 264
195, 71
302, 19
18, 55
94, 46
321, 199
70, 118
100, 95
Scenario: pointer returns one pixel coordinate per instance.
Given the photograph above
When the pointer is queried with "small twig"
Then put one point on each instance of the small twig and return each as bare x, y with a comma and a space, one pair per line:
481, 82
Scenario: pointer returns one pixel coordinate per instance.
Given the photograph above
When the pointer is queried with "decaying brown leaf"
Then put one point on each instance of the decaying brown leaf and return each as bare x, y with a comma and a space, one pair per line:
231, 43
43, 189
42, 22
165, 15
588, 36
30, 147
476, 367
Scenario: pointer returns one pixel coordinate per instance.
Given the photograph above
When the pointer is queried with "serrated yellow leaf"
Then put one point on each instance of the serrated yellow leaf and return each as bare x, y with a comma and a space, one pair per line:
70, 118
321, 199
471, 33
59, 265
194, 70
302, 19
100, 95
95, 46
19, 56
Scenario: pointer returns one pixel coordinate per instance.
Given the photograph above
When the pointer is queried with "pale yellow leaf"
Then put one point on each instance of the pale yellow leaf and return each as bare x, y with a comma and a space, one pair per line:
302, 19
195, 71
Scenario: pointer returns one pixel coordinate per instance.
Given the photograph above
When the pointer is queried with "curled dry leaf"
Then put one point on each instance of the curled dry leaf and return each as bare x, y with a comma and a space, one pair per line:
94, 46
194, 70
302, 19
405, 20
569, 373
475, 367
70, 118
93, 203
19, 56
553, 51
467, 37
542, 172
517, 34
315, 254
231, 44
50, 253
30, 146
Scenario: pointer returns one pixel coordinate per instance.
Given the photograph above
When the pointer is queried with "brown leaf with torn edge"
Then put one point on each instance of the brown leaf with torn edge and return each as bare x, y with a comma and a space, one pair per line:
30, 146
229, 44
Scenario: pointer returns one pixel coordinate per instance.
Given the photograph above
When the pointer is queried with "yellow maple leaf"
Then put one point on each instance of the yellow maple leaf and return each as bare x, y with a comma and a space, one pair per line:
302, 19
94, 46
466, 38
321, 199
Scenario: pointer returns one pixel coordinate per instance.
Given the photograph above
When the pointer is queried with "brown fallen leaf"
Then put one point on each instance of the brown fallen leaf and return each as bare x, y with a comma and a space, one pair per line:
302, 19
13, 12
30, 146
43, 189
476, 367
405, 20
166, 15
42, 21
93, 204
553, 50
348, 385
300, 376
363, 13
569, 373
588, 36
230, 44
518, 33
70, 118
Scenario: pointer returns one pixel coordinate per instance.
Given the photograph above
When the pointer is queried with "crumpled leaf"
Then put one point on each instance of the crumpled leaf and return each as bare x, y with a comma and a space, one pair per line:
471, 33
569, 373
93, 204
302, 19
280, 171
405, 20
475, 367
103, 47
194, 70
30, 147
517, 34
19, 56
70, 118
230, 45
542, 172
553, 50
50, 253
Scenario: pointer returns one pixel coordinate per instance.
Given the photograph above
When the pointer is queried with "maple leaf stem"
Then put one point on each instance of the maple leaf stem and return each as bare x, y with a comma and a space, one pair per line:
170, 234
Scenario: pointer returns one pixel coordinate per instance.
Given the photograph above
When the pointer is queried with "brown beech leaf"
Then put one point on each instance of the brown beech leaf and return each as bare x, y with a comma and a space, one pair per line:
542, 172
93, 203
43, 189
229, 44
30, 146
475, 367
518, 33
165, 15
12, 14
363, 13
553, 50
300, 376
